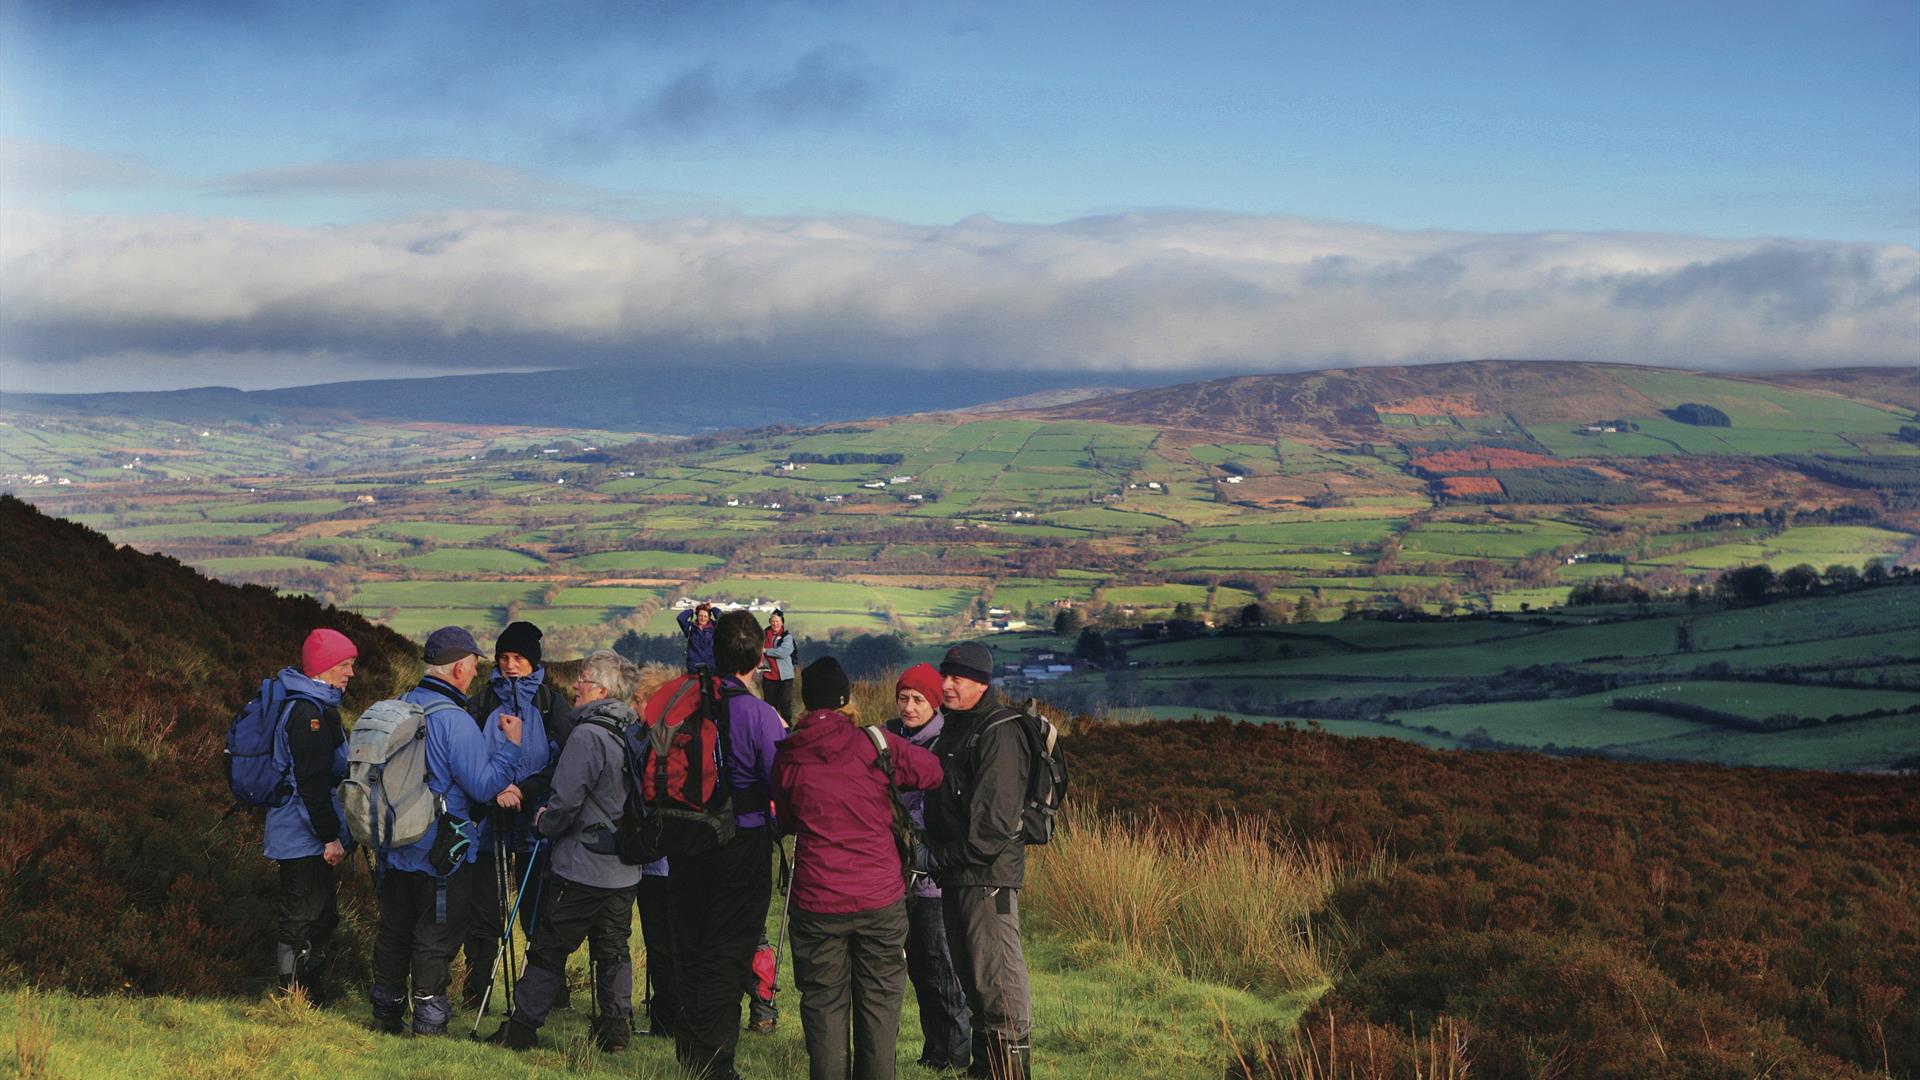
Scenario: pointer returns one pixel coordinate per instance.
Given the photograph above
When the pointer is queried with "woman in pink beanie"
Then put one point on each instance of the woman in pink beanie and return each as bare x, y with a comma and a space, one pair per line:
324, 650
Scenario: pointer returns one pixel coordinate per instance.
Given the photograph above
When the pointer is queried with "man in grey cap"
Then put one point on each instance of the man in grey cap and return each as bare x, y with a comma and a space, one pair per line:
424, 890
973, 830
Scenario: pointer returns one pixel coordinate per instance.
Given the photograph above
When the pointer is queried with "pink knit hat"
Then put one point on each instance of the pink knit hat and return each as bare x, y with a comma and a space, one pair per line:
323, 649
923, 678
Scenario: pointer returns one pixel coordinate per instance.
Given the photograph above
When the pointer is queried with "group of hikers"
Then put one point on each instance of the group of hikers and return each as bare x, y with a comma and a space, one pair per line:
907, 862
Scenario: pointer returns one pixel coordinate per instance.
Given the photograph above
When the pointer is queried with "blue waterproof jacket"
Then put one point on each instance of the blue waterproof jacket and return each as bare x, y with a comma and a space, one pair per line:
699, 642
538, 753
289, 833
461, 766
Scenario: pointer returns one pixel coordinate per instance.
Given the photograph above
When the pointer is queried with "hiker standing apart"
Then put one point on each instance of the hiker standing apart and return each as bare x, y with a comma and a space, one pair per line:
697, 624
518, 687
776, 669
974, 831
720, 897
834, 792
424, 890
590, 895
304, 833
944, 1029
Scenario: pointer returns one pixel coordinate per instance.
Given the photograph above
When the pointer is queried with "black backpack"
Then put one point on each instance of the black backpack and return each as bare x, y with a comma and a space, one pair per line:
1046, 772
903, 837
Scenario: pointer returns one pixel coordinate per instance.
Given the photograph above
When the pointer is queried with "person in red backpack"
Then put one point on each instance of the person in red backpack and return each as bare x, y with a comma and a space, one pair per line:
835, 789
719, 898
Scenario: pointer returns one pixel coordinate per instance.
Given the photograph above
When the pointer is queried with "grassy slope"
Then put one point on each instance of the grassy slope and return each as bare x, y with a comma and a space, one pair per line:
1094, 1016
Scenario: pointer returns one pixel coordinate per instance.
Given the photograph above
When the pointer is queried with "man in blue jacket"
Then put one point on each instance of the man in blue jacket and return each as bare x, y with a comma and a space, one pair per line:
424, 891
304, 833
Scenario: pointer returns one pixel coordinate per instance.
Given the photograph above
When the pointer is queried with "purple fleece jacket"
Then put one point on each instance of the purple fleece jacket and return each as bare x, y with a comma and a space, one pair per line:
754, 730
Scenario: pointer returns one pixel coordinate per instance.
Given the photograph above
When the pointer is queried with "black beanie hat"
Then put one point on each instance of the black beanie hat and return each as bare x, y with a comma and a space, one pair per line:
522, 638
823, 684
969, 660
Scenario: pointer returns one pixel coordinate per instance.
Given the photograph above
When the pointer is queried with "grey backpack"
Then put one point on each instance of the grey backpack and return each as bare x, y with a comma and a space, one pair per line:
385, 793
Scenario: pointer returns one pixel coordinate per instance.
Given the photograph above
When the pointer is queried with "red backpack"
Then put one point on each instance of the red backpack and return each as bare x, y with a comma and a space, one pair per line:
680, 759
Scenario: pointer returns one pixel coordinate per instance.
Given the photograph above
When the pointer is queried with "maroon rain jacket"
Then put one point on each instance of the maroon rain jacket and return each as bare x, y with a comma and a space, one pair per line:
829, 792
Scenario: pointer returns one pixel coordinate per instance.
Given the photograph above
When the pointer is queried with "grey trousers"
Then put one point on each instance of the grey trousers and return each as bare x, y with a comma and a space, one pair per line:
850, 968
983, 934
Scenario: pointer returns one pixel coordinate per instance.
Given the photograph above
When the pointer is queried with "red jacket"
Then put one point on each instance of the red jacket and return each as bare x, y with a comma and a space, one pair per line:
829, 791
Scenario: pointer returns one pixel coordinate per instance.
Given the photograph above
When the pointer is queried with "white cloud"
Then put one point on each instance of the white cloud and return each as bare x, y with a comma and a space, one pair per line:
1156, 290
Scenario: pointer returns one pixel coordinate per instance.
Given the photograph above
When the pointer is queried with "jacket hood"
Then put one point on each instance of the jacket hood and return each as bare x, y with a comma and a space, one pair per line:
922, 735
294, 681
619, 713
818, 736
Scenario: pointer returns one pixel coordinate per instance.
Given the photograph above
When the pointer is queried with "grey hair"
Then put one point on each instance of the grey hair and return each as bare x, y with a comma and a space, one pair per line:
443, 672
611, 672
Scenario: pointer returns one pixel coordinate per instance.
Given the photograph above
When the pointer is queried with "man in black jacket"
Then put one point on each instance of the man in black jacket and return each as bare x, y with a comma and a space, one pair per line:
973, 829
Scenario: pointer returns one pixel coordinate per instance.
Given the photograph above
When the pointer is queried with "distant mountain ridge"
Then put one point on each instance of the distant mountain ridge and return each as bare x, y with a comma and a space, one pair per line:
1348, 402
677, 400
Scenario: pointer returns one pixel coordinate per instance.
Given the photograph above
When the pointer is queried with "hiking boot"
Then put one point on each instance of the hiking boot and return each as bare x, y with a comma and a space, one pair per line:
764, 1026
611, 1033
514, 1035
389, 1010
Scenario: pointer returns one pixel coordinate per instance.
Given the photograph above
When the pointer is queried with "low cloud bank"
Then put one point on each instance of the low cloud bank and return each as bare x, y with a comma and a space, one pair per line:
1148, 291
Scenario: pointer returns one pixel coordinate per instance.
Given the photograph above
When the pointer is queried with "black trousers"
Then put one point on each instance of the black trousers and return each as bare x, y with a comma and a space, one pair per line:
572, 914
719, 903
851, 970
305, 910
654, 898
482, 940
411, 945
944, 1026
779, 694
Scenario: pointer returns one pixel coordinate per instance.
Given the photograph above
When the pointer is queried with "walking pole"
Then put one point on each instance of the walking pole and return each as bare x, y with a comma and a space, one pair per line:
507, 934
502, 878
786, 876
509, 900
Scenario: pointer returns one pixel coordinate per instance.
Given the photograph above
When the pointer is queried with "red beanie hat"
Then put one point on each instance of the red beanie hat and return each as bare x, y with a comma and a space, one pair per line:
323, 649
923, 678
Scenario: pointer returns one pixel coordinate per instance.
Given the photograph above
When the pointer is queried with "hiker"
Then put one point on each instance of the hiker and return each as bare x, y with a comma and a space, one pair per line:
653, 899
974, 834
591, 892
835, 790
776, 669
697, 624
425, 888
719, 897
944, 1028
519, 686
304, 833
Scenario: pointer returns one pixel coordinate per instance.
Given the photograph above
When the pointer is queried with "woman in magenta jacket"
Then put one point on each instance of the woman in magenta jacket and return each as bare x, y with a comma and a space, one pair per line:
849, 914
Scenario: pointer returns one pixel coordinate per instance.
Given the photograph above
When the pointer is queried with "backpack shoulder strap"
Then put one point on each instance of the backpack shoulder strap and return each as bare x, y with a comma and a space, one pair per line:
883, 754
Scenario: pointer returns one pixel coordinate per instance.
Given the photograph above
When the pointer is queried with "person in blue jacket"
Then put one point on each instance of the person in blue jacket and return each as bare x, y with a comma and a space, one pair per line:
518, 687
697, 624
424, 889
304, 833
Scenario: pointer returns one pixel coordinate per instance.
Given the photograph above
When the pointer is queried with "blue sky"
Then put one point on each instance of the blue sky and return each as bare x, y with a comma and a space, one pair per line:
1758, 123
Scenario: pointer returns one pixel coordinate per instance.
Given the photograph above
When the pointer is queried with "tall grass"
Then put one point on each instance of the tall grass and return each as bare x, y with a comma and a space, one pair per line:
1320, 1052
1227, 900
32, 1035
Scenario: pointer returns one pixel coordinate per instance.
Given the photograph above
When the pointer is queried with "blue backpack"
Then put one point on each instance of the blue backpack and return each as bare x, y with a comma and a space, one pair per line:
251, 773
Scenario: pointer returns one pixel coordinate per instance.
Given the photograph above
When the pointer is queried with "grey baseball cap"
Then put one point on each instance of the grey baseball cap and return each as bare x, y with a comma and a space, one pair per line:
448, 644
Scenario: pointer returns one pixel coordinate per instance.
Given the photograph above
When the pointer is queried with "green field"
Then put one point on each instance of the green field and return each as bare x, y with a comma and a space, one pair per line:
474, 561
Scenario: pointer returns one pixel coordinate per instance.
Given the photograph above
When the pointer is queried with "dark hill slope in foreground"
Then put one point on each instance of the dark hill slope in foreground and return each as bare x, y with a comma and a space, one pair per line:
118, 870
1578, 918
